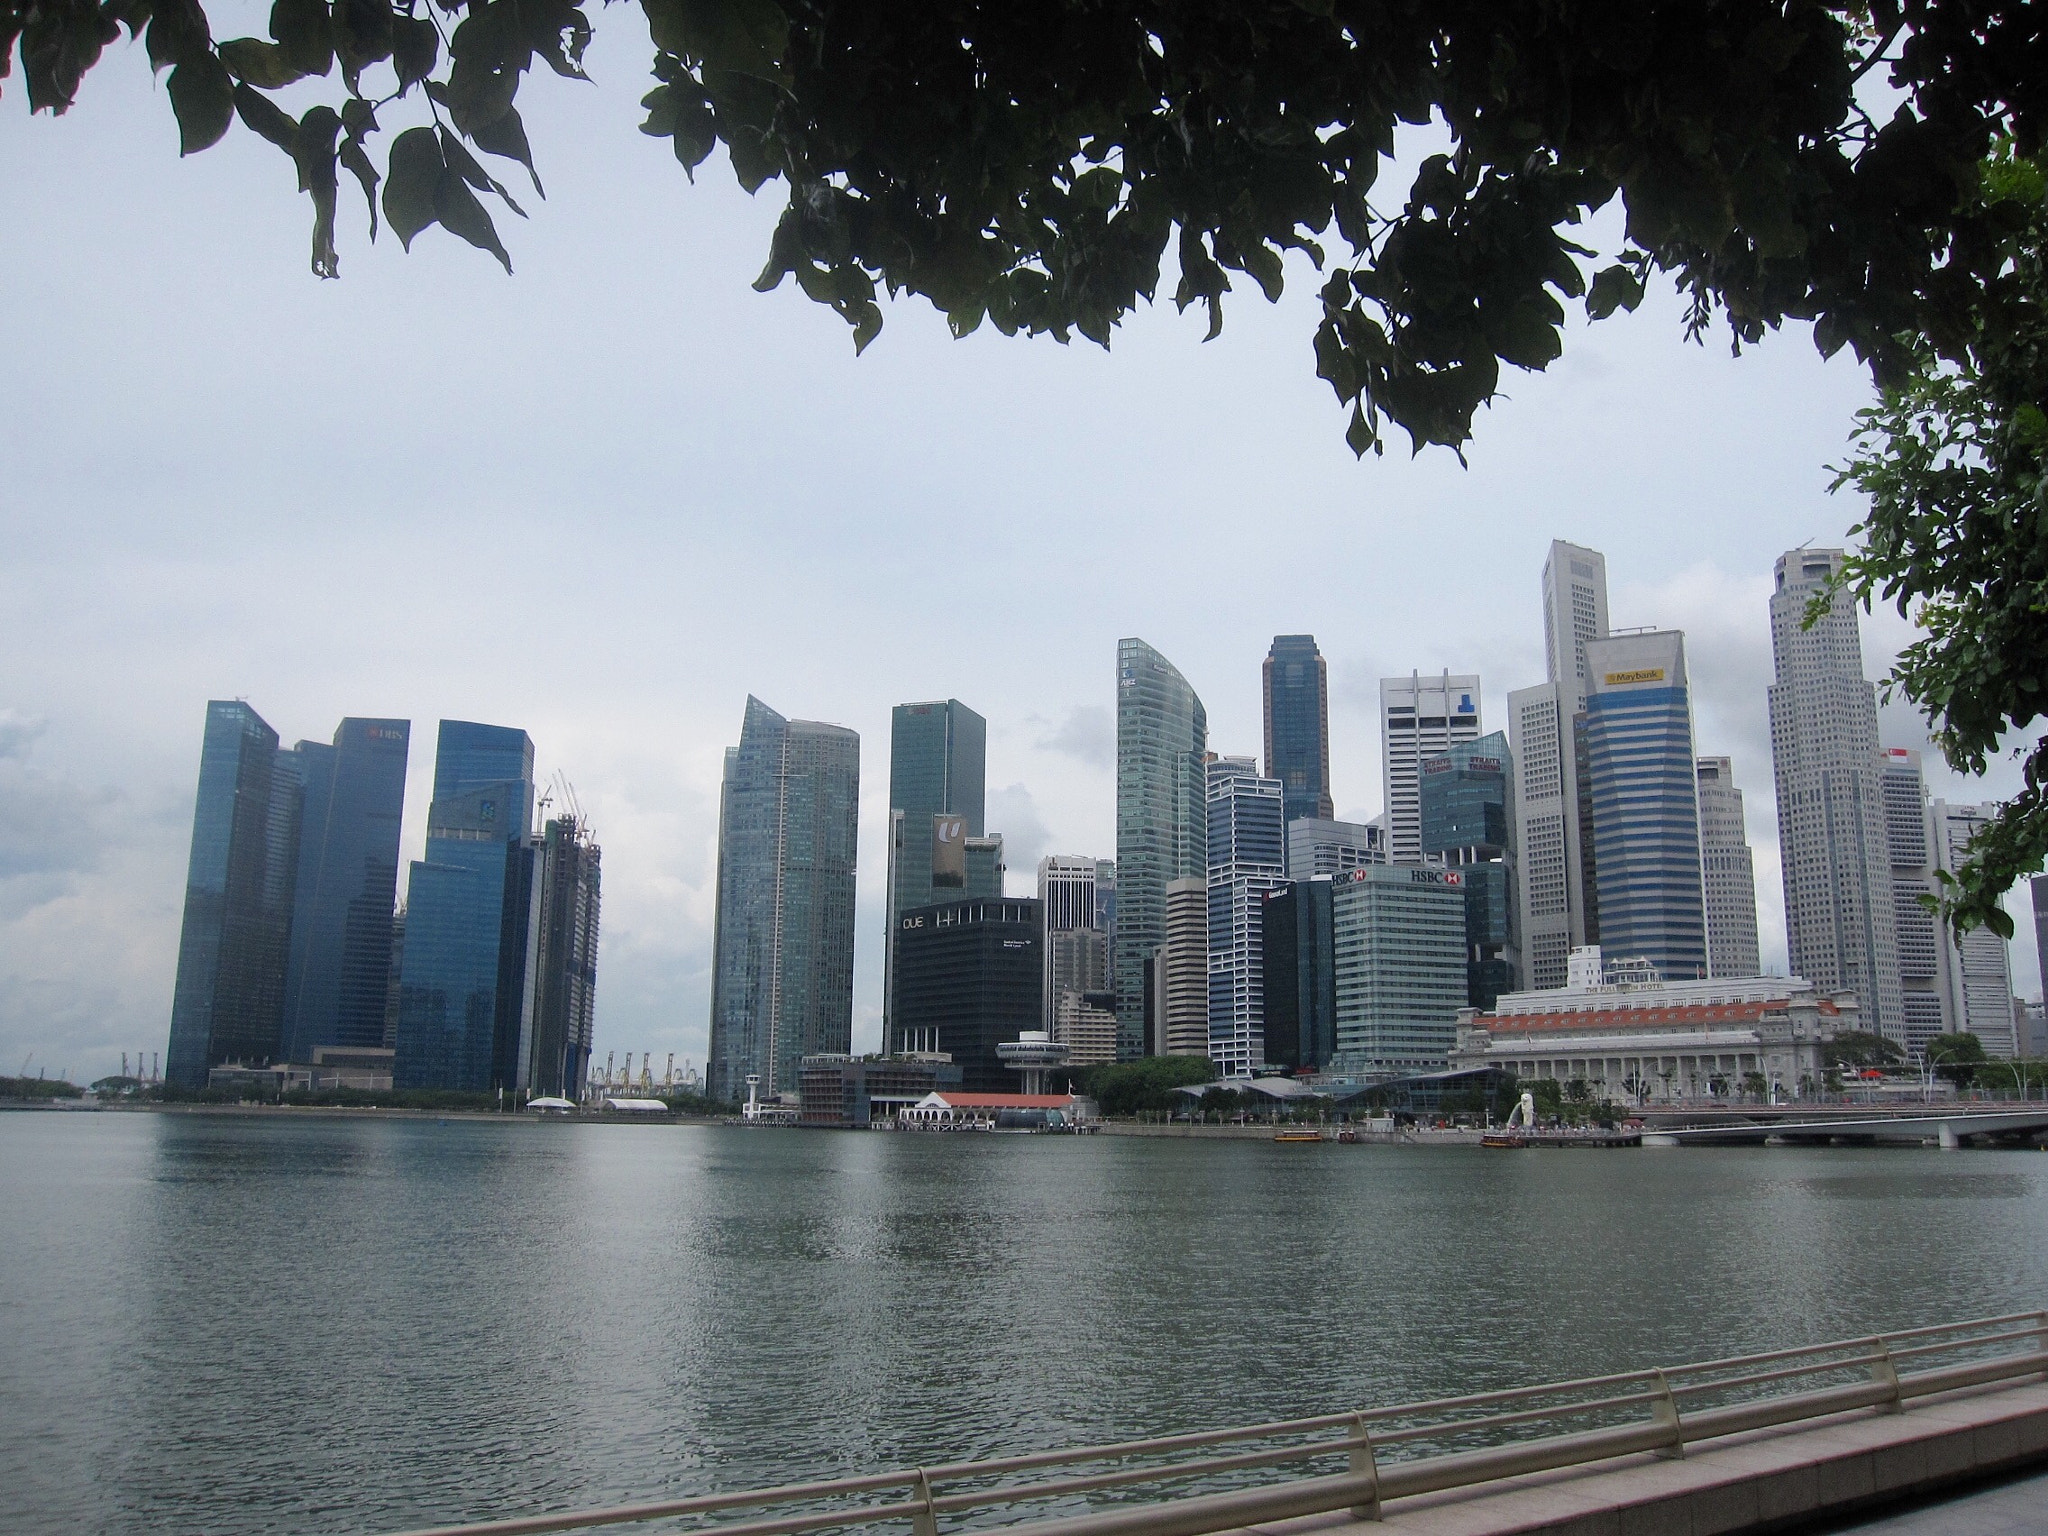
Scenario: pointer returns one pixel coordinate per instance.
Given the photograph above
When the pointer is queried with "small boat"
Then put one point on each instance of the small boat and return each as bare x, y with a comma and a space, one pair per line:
1297, 1135
1503, 1139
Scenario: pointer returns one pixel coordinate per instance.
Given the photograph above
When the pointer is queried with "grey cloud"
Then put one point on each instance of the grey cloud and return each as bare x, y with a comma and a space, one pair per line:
1026, 838
17, 733
1087, 733
49, 826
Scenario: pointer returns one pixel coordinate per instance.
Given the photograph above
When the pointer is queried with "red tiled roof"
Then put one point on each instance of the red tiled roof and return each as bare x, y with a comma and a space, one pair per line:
1647, 1016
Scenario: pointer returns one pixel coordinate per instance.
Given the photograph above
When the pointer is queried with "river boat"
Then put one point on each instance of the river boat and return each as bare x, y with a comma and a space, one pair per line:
1297, 1135
1502, 1139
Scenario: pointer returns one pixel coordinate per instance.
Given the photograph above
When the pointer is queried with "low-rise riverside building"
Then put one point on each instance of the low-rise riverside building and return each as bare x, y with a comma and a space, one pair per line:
858, 1093
1663, 1041
955, 1110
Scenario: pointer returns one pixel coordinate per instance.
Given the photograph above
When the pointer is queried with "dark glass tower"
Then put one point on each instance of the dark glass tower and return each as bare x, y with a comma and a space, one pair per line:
338, 973
937, 769
461, 991
782, 951
1298, 938
1465, 823
557, 1050
1297, 688
971, 976
228, 1002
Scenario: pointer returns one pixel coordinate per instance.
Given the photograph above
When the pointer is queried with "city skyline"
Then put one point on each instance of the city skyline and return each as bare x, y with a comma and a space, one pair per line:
145, 582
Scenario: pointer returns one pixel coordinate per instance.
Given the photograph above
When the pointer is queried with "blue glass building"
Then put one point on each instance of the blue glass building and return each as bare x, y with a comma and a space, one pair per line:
1466, 824
228, 1001
782, 950
338, 973
1296, 684
937, 773
1643, 786
1162, 732
469, 916
1246, 860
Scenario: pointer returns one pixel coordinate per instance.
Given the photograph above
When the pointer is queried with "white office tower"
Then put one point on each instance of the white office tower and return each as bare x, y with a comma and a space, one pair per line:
1554, 896
1245, 863
1729, 875
1976, 969
1319, 847
1840, 928
1924, 1006
1420, 717
1076, 946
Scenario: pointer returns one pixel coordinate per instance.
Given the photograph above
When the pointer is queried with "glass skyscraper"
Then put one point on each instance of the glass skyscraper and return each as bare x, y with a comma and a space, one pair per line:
938, 754
1466, 824
1162, 732
1643, 779
338, 975
1297, 689
463, 982
555, 1056
228, 1002
1399, 936
782, 951
1246, 861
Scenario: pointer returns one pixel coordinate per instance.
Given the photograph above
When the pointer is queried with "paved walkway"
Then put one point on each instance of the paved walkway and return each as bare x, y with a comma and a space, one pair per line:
2009, 1509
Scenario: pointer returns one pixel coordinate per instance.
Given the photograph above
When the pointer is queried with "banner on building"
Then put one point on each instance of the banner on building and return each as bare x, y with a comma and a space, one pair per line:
949, 852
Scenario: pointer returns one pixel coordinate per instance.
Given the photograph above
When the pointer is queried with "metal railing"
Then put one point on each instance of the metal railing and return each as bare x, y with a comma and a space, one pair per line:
1199, 1483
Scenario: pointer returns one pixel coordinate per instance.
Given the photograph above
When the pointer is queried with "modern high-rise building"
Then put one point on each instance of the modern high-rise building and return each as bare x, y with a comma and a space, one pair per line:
1177, 988
1066, 888
985, 865
1467, 824
1317, 845
228, 1003
1296, 683
2038, 889
337, 977
1245, 862
554, 1055
1726, 871
1420, 718
1399, 938
1643, 778
938, 791
782, 949
1976, 968
971, 976
1298, 934
1077, 944
1841, 931
1909, 844
1162, 732
1556, 896
464, 985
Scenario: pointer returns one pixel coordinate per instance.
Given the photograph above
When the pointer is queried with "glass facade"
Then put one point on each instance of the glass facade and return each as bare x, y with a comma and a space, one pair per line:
971, 975
1297, 697
782, 950
938, 755
228, 1000
1642, 780
1162, 732
1246, 861
556, 1055
1298, 938
462, 993
337, 978
1466, 824
1399, 939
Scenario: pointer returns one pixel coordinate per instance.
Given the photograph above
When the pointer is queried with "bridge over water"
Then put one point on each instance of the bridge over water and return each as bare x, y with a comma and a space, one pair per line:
1946, 1127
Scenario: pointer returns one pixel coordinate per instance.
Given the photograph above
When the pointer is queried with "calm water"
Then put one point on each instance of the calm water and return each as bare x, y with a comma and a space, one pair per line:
216, 1324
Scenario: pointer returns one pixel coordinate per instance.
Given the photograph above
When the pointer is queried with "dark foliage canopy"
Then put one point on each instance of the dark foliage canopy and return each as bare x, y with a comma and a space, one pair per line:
1030, 166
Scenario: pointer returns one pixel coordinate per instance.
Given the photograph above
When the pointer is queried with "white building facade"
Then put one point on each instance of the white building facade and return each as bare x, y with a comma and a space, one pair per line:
1420, 718
1976, 970
1728, 872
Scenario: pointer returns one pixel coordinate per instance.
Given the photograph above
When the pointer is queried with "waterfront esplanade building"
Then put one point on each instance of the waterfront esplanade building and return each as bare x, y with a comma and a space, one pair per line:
1662, 1041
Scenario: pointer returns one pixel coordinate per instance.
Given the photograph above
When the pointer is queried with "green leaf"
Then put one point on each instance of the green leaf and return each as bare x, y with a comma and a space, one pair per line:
412, 176
507, 137
1613, 288
203, 98
263, 116
1360, 435
360, 167
463, 163
415, 50
260, 64
455, 205
304, 34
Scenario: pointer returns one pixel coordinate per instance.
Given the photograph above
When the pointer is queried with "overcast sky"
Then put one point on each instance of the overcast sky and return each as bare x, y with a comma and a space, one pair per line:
606, 498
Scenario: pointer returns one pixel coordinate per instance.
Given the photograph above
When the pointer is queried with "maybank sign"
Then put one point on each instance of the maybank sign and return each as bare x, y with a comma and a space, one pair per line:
1640, 675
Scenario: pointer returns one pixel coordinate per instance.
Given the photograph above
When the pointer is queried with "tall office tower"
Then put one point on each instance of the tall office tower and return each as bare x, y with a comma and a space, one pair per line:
1067, 895
971, 976
938, 791
1922, 994
985, 865
338, 972
1317, 845
1574, 609
1420, 717
1643, 776
1066, 889
1085, 1023
1976, 969
2038, 889
1162, 732
1245, 862
1840, 929
228, 1003
554, 1058
782, 947
1177, 992
391, 978
1399, 938
1729, 879
1297, 688
464, 987
1299, 938
1466, 825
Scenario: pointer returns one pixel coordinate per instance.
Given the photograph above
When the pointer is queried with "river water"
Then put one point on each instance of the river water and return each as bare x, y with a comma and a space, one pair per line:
224, 1324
